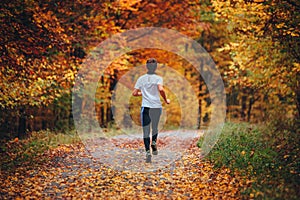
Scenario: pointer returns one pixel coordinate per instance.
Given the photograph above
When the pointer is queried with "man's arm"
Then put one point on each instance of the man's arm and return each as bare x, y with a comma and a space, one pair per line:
136, 92
162, 93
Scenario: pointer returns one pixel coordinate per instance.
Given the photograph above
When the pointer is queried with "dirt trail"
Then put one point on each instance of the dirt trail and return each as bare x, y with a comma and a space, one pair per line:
75, 173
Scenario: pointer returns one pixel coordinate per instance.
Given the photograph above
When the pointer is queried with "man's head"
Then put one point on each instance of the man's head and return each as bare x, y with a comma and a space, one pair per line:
151, 65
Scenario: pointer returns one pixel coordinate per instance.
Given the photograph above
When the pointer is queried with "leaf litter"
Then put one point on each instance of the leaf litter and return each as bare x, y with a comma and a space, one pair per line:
72, 172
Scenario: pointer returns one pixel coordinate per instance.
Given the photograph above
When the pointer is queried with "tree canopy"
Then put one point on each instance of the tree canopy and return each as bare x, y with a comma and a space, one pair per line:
255, 45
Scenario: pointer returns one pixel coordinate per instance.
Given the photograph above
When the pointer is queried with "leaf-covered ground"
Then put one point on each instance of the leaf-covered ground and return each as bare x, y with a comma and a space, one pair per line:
72, 173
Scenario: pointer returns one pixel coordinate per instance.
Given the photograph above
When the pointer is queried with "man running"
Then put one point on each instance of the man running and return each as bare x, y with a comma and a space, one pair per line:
150, 87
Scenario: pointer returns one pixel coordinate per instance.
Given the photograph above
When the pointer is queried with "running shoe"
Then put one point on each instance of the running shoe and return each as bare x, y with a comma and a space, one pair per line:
154, 148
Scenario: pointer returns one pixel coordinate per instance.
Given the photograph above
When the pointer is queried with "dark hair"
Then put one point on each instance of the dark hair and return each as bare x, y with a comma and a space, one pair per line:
151, 65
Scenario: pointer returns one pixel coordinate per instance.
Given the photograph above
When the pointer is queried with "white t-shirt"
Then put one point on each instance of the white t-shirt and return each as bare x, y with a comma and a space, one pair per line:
147, 83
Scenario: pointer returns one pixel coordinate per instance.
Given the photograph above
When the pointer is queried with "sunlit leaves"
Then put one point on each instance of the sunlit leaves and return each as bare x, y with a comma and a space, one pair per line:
263, 43
42, 39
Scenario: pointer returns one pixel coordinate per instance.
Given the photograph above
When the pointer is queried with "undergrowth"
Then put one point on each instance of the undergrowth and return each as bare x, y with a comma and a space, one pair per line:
23, 152
268, 155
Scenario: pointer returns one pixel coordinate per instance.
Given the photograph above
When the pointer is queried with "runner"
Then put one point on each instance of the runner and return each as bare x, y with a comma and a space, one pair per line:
150, 87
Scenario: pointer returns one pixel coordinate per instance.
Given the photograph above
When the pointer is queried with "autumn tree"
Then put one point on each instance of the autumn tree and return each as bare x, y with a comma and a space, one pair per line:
43, 43
264, 47
180, 15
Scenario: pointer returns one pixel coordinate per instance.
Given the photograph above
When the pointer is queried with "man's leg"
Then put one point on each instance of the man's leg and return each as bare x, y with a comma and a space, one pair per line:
146, 120
155, 116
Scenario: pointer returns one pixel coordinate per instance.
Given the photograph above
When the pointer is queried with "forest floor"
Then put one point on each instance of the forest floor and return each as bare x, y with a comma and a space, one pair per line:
92, 171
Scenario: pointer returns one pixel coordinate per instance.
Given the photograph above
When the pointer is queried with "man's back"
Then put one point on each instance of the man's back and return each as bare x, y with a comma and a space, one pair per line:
148, 84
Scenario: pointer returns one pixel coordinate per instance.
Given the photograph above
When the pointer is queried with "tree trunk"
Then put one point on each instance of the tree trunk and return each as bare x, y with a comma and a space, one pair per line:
298, 103
200, 97
108, 113
251, 102
297, 92
199, 114
101, 115
244, 107
22, 123
200, 103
